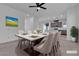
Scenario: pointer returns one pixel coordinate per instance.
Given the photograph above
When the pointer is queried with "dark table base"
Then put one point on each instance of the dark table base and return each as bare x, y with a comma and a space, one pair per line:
30, 49
31, 52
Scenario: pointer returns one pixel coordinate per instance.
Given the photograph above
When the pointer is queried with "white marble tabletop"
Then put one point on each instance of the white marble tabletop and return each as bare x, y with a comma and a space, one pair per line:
31, 36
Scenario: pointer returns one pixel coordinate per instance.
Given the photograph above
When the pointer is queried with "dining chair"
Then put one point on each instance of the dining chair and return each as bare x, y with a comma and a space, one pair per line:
21, 41
56, 45
45, 47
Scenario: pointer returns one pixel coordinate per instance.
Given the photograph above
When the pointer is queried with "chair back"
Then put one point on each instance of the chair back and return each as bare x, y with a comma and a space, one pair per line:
55, 45
56, 37
46, 48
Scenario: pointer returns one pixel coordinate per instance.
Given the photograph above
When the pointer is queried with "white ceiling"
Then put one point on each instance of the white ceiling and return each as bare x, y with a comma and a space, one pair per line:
53, 9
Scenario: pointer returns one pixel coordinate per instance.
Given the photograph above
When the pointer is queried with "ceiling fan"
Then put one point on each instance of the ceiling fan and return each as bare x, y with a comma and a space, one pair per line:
38, 6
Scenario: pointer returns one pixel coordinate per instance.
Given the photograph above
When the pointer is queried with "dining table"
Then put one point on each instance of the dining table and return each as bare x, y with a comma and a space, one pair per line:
31, 37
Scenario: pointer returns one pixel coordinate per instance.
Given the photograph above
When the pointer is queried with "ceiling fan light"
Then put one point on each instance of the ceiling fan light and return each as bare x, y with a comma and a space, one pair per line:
38, 8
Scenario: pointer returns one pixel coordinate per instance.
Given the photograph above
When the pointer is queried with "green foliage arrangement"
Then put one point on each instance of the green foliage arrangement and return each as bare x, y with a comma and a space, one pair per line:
74, 32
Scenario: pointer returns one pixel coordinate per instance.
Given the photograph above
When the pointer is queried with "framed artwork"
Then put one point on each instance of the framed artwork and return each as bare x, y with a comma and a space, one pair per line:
59, 24
56, 24
11, 21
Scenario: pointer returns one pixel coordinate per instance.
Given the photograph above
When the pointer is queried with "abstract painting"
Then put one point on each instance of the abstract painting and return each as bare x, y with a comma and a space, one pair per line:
11, 21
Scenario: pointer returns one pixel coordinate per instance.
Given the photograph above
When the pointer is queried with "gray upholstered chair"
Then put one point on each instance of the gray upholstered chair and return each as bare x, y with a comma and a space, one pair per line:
46, 46
56, 45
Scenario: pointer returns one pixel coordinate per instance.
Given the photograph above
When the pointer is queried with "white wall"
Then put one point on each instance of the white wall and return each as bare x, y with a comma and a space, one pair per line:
78, 20
8, 33
72, 19
41, 21
29, 24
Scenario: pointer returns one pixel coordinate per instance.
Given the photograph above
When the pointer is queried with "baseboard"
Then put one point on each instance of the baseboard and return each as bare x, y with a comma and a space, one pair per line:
8, 42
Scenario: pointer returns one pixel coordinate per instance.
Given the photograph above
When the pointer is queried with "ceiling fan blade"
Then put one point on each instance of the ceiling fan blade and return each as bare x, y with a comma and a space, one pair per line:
41, 4
37, 4
43, 7
32, 6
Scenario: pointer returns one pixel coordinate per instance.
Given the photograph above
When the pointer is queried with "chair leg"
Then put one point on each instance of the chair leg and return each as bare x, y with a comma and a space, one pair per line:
24, 43
43, 54
47, 54
20, 44
50, 54
55, 50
